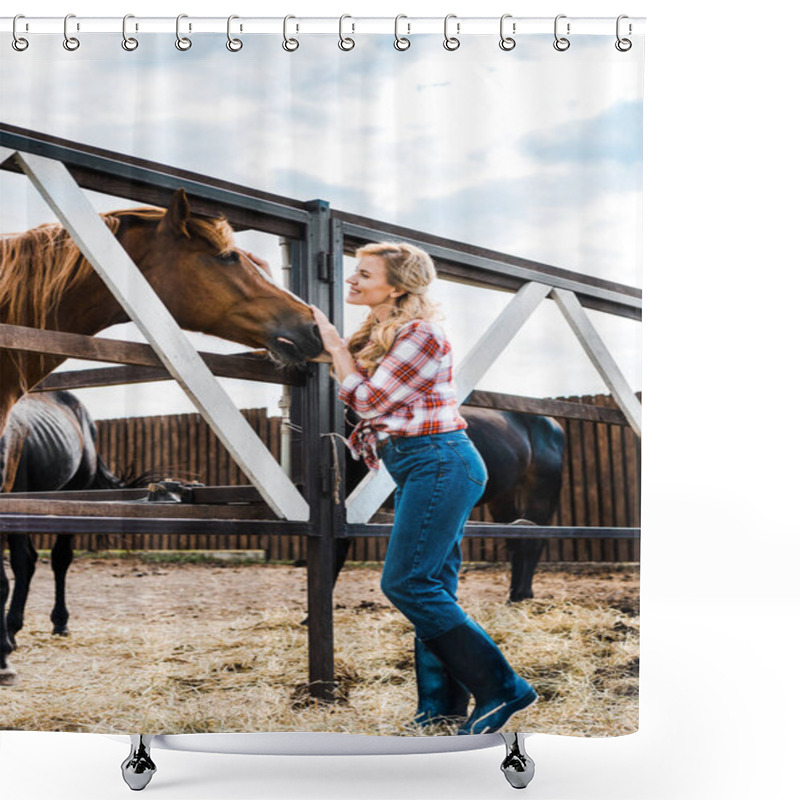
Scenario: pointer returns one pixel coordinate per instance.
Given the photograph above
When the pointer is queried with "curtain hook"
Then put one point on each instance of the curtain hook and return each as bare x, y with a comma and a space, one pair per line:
234, 45
182, 42
70, 42
451, 42
290, 45
506, 42
128, 42
18, 42
346, 43
400, 42
561, 43
623, 45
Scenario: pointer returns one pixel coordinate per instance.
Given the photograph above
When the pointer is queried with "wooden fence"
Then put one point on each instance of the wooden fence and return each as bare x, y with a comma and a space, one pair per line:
600, 488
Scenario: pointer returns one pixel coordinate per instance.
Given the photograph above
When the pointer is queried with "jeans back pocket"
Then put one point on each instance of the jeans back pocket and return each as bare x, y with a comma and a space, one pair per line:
471, 459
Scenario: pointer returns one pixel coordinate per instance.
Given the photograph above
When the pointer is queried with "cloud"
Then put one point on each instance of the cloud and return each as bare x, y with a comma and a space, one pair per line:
615, 136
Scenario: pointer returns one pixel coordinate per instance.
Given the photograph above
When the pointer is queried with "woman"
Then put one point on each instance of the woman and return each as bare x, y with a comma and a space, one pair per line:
395, 372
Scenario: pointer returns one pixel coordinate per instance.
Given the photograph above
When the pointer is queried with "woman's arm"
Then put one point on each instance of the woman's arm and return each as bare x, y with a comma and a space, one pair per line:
409, 368
343, 363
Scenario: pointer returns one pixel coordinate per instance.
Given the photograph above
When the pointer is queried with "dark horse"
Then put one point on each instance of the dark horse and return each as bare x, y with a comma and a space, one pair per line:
57, 441
524, 455
206, 282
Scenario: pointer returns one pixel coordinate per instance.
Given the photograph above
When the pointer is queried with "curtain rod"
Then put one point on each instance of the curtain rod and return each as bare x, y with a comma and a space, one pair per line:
347, 24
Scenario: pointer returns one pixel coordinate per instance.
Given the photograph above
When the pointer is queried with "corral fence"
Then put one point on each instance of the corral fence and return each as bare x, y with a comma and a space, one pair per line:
601, 476
307, 503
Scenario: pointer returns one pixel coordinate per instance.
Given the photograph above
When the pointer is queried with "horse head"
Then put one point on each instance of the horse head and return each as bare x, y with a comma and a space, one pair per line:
212, 286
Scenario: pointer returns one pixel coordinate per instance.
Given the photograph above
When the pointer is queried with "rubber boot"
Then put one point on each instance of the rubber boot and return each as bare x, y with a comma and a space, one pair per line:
473, 659
440, 697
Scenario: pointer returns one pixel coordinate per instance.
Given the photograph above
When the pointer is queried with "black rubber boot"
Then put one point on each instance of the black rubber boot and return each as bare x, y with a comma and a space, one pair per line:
440, 697
473, 659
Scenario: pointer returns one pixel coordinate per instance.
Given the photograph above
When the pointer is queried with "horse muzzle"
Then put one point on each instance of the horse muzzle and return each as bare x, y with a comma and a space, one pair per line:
297, 347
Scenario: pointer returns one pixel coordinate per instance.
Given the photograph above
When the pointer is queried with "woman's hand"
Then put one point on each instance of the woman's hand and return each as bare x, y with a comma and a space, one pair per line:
259, 262
331, 340
343, 363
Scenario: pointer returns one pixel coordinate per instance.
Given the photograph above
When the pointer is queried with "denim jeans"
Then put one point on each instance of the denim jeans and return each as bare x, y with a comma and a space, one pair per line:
439, 479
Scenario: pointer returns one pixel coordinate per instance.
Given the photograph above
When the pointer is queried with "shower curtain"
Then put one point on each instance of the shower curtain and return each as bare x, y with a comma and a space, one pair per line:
513, 165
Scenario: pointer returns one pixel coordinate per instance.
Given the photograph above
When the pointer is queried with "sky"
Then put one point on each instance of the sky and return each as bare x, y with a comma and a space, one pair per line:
530, 152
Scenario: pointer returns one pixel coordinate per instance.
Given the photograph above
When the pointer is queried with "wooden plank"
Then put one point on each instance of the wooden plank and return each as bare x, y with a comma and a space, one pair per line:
604, 475
495, 531
589, 444
135, 354
565, 515
253, 370
162, 527
146, 309
619, 478
373, 490
150, 182
481, 267
632, 449
600, 357
545, 407
10, 504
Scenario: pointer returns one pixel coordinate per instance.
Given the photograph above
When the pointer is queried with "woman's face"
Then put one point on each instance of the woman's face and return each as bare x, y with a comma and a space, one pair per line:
368, 284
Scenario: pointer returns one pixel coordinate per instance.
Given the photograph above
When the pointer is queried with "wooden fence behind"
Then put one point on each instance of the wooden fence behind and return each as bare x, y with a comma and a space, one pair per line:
601, 486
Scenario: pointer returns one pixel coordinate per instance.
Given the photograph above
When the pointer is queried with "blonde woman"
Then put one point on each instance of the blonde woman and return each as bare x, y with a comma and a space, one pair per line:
395, 372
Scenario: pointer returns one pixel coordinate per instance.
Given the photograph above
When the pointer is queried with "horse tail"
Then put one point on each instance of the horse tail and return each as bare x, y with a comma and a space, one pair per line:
104, 478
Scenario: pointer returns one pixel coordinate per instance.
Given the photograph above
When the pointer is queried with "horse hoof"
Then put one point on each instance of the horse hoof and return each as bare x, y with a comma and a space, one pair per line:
60, 630
8, 677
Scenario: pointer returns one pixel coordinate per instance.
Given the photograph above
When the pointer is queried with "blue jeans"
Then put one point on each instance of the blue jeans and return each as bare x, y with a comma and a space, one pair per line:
439, 479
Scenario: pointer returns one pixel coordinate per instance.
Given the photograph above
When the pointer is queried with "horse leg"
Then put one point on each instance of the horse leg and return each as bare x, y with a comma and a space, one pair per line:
62, 558
524, 555
7, 675
340, 556
23, 558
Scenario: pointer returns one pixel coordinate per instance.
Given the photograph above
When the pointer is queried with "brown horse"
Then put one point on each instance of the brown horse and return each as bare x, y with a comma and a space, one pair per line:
206, 282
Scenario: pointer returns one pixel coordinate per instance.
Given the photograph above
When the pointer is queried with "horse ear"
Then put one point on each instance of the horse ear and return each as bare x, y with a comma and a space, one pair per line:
178, 213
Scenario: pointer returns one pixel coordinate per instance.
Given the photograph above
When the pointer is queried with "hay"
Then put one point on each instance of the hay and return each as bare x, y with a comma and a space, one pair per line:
203, 647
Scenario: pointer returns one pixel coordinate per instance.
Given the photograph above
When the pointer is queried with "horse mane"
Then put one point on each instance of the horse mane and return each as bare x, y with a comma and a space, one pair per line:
38, 266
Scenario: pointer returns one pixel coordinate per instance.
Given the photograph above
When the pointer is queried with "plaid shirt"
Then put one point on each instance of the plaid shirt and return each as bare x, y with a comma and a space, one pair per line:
411, 393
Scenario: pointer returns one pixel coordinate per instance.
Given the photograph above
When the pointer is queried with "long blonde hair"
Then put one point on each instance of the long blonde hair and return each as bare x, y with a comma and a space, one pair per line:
410, 270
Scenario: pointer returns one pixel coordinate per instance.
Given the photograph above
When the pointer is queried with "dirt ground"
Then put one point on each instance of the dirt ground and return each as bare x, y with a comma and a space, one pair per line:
175, 647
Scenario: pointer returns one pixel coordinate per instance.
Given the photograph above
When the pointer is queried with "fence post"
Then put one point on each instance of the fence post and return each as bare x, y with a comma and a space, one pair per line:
314, 410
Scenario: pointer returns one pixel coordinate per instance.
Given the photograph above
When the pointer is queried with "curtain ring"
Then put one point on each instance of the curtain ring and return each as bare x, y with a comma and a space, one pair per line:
70, 42
181, 42
451, 42
128, 42
290, 45
623, 45
234, 45
506, 42
561, 43
400, 42
345, 43
18, 42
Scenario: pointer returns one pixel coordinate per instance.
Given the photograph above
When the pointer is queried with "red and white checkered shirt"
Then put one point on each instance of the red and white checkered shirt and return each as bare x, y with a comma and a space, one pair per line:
411, 393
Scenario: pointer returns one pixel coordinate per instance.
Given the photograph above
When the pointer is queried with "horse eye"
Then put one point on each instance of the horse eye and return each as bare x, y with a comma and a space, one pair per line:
229, 258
